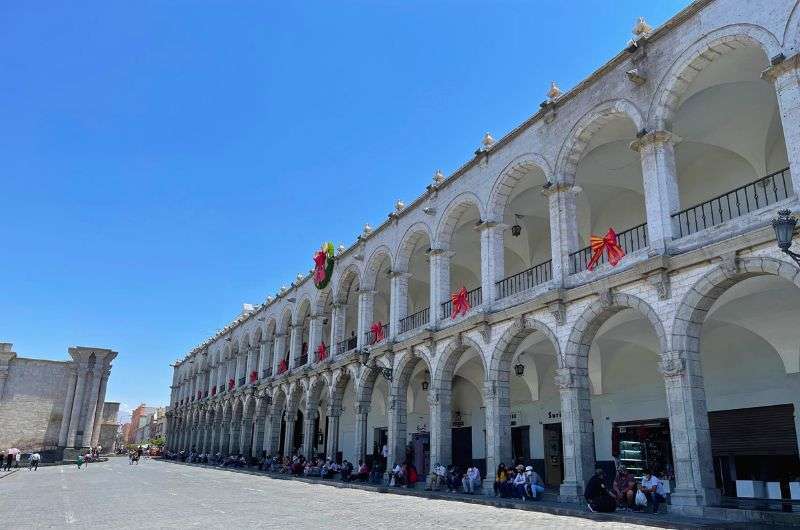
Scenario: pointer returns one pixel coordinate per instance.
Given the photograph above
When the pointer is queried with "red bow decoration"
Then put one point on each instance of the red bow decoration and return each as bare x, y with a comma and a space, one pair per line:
460, 302
607, 243
214, 391
282, 366
320, 259
322, 351
231, 384
377, 332
253, 376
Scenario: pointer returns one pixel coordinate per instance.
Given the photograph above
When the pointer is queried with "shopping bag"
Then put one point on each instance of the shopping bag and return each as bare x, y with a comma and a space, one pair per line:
641, 499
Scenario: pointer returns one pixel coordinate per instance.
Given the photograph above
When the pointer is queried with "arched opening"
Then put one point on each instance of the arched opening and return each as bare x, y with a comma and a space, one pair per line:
282, 342
377, 428
413, 266
731, 155
318, 402
323, 317
345, 325
609, 175
526, 241
347, 423
377, 297
413, 439
303, 324
751, 359
460, 236
269, 349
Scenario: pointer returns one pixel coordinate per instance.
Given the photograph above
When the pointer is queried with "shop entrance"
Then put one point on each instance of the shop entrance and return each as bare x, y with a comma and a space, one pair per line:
521, 444
642, 445
553, 454
462, 447
420, 452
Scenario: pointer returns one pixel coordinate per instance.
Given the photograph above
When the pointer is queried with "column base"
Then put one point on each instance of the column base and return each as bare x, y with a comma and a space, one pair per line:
571, 492
694, 497
71, 453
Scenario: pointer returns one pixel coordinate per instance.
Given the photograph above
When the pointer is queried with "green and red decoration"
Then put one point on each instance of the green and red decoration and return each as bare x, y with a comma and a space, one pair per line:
253, 376
214, 391
322, 351
460, 302
607, 244
323, 265
377, 332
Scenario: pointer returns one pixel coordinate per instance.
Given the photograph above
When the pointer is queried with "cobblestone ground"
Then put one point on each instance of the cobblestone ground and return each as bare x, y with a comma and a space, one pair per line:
164, 495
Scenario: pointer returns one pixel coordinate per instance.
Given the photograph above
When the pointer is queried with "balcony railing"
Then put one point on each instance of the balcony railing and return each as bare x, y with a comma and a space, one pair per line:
303, 360
474, 297
417, 320
266, 373
241, 381
736, 203
538, 274
630, 240
369, 336
346, 345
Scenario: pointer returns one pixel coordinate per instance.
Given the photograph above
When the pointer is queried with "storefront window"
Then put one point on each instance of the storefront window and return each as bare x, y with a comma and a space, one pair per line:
642, 445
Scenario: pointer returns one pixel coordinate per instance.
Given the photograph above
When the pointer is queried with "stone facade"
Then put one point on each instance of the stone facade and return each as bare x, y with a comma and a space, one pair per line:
53, 405
693, 253
109, 426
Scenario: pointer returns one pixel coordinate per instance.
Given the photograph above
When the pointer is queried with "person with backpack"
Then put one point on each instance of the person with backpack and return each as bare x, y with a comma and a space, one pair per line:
34, 462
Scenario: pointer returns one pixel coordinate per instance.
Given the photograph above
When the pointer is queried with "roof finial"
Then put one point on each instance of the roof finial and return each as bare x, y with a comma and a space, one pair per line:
487, 140
438, 177
554, 92
641, 28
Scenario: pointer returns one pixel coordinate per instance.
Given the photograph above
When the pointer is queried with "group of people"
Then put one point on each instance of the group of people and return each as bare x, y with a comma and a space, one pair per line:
520, 482
625, 492
13, 457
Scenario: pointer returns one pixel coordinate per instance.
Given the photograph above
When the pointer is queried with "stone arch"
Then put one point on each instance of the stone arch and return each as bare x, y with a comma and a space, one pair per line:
321, 301
285, 320
344, 281
269, 329
510, 176
279, 398
303, 308
692, 311
791, 35
451, 214
576, 354
249, 406
445, 367
577, 141
371, 271
407, 243
339, 384
511, 339
696, 57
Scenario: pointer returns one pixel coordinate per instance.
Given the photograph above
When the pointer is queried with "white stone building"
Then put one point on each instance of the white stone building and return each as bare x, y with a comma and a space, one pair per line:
683, 357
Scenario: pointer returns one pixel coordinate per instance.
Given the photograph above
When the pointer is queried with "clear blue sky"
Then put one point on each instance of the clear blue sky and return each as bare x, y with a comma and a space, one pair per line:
163, 162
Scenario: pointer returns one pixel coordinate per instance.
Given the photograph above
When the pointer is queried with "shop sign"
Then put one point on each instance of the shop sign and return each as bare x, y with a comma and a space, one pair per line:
552, 416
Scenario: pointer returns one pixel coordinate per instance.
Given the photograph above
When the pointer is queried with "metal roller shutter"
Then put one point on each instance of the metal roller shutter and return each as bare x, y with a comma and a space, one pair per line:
753, 431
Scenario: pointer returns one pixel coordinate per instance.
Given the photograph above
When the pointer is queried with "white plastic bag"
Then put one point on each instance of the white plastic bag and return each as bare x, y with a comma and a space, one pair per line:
641, 499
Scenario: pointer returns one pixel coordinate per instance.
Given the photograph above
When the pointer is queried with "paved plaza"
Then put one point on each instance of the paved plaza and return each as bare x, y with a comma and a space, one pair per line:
158, 494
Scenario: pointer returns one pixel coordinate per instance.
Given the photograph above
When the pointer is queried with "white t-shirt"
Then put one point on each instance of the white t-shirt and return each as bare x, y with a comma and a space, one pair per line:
36, 456
654, 481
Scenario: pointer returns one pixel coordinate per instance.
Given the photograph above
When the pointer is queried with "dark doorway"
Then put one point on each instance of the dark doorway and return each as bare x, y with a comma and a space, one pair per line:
462, 447
421, 452
380, 437
521, 444
553, 454
282, 441
325, 439
298, 433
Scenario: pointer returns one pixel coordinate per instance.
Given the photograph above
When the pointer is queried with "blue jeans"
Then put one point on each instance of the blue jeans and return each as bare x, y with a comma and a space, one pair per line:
536, 489
654, 499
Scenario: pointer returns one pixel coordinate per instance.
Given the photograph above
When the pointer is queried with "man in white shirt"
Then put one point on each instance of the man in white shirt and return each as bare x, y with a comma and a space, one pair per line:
653, 489
535, 483
471, 480
35, 458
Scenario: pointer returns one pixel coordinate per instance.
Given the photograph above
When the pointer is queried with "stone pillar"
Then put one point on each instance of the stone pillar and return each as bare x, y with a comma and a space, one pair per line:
233, 444
204, 441
397, 429
661, 198
295, 345
273, 427
492, 263
333, 432
362, 413
258, 441
786, 78
212, 444
440, 281
288, 440
440, 400
314, 337
366, 300
309, 434
67, 411
101, 400
246, 437
337, 325
563, 229
498, 421
280, 351
266, 357
6, 355
91, 400
82, 373
689, 430
578, 432
398, 301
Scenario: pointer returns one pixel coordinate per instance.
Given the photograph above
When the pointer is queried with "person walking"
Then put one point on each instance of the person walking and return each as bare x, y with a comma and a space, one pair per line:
34, 462
79, 461
9, 460
17, 458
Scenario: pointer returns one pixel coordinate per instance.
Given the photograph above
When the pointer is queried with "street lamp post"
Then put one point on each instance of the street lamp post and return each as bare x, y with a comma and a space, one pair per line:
784, 232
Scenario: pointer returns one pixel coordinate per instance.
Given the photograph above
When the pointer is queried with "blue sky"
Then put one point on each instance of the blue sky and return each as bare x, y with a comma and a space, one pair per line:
164, 162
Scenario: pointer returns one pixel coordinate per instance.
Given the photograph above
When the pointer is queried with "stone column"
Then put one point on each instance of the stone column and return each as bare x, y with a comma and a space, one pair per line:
288, 440
440, 281
333, 432
492, 262
101, 400
397, 429
67, 411
91, 399
212, 442
362, 413
578, 432
337, 325
689, 430
314, 337
786, 78
82, 373
6, 355
440, 400
661, 198
273, 433
309, 434
246, 436
398, 301
241, 362
295, 345
366, 300
498, 421
266, 357
233, 444
563, 229
258, 441
280, 351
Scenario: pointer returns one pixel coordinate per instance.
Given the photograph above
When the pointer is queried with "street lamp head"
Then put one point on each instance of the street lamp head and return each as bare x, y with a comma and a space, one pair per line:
784, 229
519, 369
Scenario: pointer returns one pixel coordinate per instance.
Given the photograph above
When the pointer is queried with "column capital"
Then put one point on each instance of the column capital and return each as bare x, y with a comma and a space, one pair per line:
362, 408
560, 188
399, 274
567, 378
655, 137
672, 364
774, 72
489, 224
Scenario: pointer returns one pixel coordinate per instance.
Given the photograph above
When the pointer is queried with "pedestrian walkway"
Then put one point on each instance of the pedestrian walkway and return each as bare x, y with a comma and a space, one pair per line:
544, 506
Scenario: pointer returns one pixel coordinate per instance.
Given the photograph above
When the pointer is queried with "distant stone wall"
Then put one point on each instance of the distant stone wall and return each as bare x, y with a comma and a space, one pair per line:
32, 403
110, 412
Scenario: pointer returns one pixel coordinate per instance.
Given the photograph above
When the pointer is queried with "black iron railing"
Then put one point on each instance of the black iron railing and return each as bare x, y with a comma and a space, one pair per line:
735, 203
538, 274
346, 345
369, 336
266, 373
630, 240
303, 360
241, 381
474, 297
417, 320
